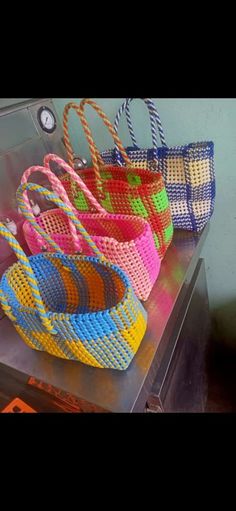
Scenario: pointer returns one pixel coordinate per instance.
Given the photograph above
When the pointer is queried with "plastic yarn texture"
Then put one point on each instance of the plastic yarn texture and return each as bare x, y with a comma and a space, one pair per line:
188, 171
131, 193
120, 190
126, 241
73, 307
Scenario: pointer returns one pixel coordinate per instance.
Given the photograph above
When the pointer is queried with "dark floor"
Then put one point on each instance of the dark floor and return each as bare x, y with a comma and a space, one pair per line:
221, 376
221, 371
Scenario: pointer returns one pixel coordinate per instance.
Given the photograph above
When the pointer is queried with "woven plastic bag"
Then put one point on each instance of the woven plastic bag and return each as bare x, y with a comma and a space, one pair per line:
124, 240
122, 190
188, 170
73, 307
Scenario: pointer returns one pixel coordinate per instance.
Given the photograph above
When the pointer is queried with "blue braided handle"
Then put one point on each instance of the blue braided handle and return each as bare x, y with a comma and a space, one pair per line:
155, 122
60, 204
32, 281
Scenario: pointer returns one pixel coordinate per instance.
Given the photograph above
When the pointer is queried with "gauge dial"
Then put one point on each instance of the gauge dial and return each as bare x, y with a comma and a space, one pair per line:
47, 119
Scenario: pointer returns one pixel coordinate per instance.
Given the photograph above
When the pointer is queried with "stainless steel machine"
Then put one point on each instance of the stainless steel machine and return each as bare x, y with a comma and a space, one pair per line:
29, 129
168, 373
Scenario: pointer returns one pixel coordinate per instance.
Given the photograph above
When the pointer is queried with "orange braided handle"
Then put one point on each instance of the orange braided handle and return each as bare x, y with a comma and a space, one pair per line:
107, 123
68, 145
96, 158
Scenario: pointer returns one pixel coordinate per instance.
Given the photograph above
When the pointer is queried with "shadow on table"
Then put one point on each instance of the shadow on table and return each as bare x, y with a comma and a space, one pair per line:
221, 360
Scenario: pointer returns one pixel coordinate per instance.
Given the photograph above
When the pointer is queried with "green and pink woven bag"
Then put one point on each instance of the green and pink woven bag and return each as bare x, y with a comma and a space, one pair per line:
125, 190
123, 239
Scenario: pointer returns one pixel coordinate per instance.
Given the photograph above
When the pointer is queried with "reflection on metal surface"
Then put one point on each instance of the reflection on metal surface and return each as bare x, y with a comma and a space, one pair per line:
11, 225
12, 102
66, 401
114, 390
180, 384
35, 208
22, 144
79, 162
16, 129
183, 239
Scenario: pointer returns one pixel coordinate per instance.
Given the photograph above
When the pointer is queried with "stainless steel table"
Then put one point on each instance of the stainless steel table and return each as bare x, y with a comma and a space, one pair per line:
167, 373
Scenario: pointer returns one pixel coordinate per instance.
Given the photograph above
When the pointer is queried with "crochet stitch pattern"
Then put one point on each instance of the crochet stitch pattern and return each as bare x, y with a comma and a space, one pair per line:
121, 189
74, 307
188, 171
124, 240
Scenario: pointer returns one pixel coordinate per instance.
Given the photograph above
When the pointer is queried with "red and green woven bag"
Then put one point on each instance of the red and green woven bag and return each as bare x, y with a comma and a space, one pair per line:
128, 190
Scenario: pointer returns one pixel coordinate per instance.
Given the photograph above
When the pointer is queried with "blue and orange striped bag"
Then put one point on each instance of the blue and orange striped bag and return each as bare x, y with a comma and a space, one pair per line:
74, 307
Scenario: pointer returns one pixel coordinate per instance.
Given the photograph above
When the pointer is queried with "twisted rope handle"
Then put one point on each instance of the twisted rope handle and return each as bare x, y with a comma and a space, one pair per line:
66, 137
155, 122
57, 188
6, 307
75, 177
96, 158
53, 198
32, 281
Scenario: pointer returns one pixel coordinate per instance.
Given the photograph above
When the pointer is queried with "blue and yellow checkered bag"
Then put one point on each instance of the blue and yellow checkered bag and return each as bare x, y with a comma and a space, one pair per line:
188, 171
74, 307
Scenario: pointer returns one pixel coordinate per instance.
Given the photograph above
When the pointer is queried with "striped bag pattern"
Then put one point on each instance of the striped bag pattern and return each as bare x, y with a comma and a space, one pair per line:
124, 240
120, 190
74, 307
188, 170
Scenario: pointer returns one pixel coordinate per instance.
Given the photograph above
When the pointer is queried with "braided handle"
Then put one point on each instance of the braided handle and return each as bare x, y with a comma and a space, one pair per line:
32, 281
155, 122
67, 142
57, 188
93, 149
53, 198
75, 177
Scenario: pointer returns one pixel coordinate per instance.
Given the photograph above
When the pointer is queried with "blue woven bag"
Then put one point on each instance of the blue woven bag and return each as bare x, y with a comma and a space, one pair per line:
74, 307
188, 170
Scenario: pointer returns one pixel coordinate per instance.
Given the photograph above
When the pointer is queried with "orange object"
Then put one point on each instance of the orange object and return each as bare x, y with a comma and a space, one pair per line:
18, 406
64, 400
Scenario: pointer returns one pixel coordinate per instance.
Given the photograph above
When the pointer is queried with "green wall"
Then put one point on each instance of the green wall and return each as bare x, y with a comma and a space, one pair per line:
184, 121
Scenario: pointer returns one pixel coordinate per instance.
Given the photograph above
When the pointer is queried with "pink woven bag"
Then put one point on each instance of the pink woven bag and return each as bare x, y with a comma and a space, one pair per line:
125, 240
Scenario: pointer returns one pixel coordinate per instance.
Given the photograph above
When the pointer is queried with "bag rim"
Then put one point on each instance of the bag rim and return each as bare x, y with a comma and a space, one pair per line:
128, 293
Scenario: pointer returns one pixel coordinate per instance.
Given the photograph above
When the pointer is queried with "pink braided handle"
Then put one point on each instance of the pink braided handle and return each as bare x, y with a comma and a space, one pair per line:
60, 191
77, 179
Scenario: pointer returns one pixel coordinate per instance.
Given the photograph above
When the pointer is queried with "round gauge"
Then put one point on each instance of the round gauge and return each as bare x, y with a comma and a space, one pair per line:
47, 119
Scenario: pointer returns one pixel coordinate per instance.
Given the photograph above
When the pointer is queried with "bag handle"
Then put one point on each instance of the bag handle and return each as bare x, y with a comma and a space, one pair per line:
155, 121
59, 190
96, 158
32, 281
53, 198
66, 137
75, 177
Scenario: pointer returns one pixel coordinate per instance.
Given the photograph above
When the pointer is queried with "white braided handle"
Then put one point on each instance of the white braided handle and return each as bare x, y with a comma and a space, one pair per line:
155, 121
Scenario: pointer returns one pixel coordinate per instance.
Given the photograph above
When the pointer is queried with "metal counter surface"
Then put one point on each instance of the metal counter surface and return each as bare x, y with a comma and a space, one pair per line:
118, 391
